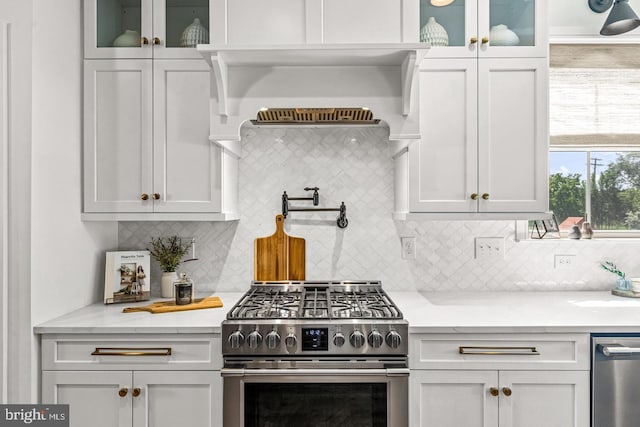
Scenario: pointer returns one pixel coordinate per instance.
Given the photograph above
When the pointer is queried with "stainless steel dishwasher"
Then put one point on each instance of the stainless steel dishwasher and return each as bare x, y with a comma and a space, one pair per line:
615, 388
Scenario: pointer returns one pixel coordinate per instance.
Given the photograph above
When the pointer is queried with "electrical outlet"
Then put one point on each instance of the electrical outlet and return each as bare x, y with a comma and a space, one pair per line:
490, 247
564, 261
408, 247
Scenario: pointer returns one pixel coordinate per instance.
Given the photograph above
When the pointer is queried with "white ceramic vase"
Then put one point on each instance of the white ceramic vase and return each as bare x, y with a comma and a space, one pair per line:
501, 35
434, 33
194, 34
166, 283
129, 38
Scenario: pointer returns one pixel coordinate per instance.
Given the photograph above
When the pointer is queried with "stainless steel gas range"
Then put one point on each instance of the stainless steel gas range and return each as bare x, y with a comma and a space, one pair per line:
315, 353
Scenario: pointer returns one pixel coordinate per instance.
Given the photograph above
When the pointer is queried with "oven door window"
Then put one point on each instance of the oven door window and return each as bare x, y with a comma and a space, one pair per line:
315, 405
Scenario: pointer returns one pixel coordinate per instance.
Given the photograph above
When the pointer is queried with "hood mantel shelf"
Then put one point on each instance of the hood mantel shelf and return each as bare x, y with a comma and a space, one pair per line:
406, 55
382, 77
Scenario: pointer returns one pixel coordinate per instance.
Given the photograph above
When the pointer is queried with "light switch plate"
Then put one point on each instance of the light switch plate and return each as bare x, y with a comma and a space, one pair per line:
489, 247
408, 247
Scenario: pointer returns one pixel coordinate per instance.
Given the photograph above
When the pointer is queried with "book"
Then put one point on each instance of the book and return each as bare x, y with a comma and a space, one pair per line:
127, 276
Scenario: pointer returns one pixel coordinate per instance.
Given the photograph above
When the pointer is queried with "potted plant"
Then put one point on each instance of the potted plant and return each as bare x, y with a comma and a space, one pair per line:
168, 251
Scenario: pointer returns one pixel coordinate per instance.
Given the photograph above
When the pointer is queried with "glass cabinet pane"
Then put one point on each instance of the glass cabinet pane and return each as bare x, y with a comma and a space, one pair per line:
187, 23
118, 23
442, 22
512, 22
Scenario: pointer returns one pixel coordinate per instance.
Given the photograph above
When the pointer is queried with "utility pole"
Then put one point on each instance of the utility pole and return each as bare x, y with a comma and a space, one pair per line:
595, 164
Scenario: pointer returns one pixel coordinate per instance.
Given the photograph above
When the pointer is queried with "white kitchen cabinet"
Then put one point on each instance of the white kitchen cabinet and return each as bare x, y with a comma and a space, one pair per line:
146, 144
112, 381
499, 380
499, 398
483, 146
155, 27
469, 24
136, 399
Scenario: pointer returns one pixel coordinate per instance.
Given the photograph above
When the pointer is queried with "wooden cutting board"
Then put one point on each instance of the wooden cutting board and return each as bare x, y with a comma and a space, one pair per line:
279, 256
170, 306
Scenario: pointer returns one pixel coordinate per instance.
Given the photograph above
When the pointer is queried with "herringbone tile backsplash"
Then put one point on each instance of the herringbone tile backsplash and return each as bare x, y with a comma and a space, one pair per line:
353, 165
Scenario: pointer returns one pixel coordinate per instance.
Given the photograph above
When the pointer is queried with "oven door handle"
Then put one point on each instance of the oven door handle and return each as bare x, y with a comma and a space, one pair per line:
241, 372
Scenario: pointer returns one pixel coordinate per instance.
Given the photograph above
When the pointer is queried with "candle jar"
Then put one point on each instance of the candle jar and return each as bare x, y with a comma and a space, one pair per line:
183, 290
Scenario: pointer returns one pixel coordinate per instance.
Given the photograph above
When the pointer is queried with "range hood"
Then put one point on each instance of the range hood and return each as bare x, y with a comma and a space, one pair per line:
323, 77
321, 116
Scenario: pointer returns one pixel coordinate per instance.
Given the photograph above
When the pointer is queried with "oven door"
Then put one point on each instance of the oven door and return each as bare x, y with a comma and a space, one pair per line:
322, 395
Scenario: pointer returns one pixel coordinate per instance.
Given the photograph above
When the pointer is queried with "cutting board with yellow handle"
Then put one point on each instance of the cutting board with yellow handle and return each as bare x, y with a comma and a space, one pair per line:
279, 256
170, 306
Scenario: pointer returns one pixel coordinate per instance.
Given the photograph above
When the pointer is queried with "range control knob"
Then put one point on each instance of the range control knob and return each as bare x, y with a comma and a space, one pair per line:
254, 340
375, 339
394, 339
290, 340
357, 339
236, 339
272, 340
338, 339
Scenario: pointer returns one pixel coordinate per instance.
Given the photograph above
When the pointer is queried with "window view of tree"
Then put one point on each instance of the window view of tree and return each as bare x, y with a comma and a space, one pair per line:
615, 189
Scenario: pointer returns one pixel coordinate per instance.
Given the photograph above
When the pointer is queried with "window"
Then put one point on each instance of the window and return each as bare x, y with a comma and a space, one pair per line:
594, 126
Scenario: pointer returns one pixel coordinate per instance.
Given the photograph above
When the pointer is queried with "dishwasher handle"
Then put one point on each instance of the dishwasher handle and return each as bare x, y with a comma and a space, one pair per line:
611, 350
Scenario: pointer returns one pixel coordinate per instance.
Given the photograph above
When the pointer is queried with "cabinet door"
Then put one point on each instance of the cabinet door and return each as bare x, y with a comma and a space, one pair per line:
544, 398
450, 29
378, 21
170, 20
512, 135
93, 397
187, 177
117, 135
513, 28
453, 399
116, 28
169, 399
443, 164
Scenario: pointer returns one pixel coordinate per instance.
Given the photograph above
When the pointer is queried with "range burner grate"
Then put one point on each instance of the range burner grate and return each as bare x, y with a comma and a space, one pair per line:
315, 300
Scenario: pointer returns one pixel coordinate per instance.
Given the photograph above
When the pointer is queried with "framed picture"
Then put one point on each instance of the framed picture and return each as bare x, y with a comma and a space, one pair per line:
126, 277
541, 228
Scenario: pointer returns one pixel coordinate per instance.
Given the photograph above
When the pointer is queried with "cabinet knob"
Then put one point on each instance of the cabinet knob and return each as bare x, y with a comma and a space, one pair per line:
485, 196
156, 196
506, 391
485, 40
156, 40
123, 392
136, 392
473, 40
494, 391
144, 40
474, 196
144, 196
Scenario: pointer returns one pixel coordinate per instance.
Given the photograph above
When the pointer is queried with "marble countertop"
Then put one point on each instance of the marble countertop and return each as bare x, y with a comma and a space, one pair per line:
109, 319
437, 312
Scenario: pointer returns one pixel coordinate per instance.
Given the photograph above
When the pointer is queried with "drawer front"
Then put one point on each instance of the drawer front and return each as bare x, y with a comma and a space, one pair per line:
122, 352
499, 351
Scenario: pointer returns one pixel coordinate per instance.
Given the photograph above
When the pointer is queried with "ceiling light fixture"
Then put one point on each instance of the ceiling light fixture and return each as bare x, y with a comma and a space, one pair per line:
621, 19
440, 3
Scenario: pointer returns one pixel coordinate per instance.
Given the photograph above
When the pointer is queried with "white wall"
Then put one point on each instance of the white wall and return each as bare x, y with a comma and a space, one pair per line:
574, 18
67, 255
15, 57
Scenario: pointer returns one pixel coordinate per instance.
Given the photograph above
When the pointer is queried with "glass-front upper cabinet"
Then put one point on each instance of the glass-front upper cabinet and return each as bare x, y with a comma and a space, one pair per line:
484, 28
145, 28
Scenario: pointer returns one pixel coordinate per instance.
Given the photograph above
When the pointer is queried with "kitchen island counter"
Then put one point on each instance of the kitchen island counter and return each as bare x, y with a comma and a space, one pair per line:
486, 312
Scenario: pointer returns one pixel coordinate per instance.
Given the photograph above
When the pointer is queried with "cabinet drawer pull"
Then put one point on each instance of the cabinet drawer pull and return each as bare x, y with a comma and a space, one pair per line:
494, 391
473, 40
123, 392
506, 391
485, 196
499, 351
474, 196
136, 392
156, 196
144, 40
485, 40
144, 196
114, 351
156, 40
